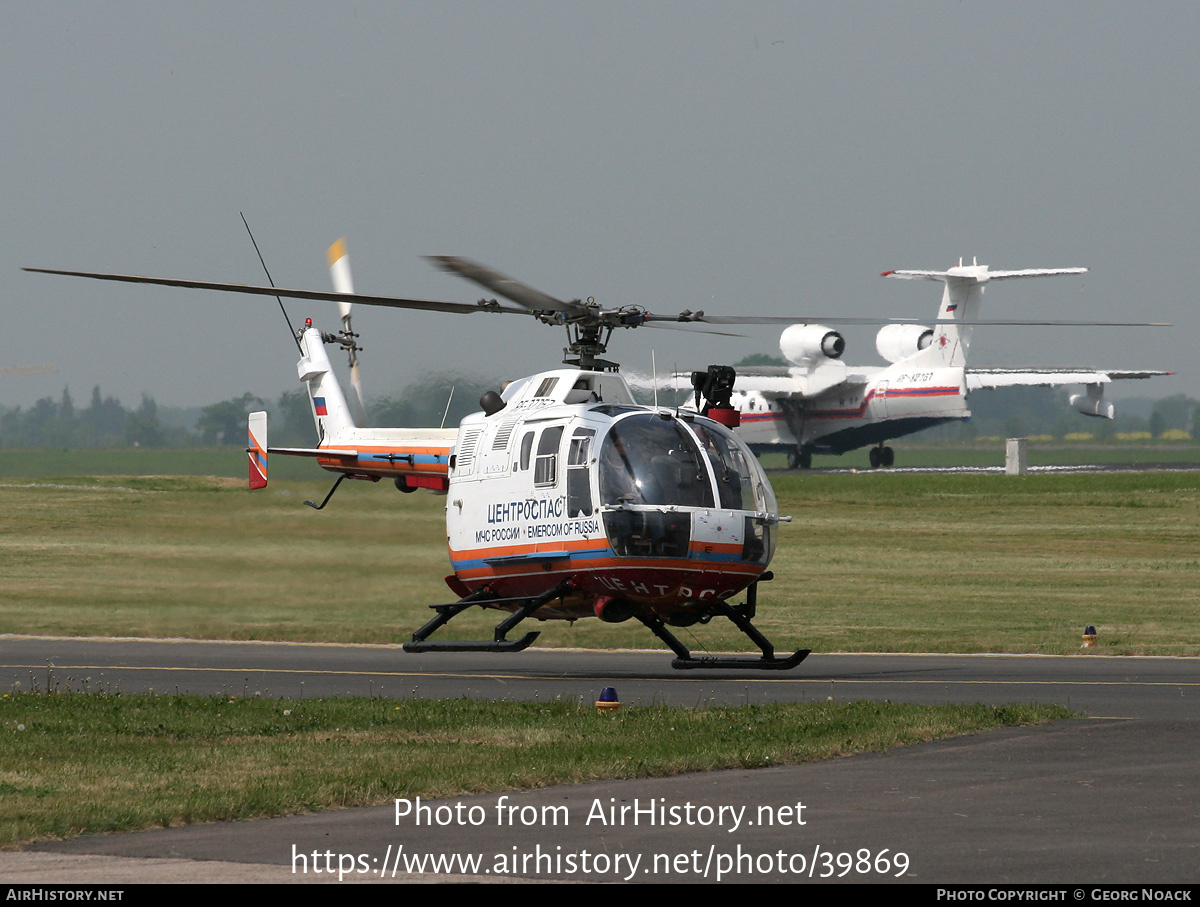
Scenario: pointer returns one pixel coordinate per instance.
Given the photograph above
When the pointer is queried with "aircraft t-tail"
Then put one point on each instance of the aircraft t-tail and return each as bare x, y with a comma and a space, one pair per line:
821, 405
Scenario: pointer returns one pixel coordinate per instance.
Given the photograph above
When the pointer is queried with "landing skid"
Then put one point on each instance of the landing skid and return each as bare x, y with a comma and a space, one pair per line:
742, 617
421, 642
684, 660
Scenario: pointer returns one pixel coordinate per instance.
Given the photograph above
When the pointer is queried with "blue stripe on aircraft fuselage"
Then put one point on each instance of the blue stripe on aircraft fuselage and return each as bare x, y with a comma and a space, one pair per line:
592, 554
531, 557
426, 459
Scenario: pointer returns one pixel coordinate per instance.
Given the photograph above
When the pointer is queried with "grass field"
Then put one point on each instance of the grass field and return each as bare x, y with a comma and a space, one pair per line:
230, 462
873, 562
1041, 453
226, 462
87, 764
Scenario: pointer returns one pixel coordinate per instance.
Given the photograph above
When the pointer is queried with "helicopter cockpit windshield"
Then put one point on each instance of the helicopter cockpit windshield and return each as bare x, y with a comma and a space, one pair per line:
659, 475
655, 461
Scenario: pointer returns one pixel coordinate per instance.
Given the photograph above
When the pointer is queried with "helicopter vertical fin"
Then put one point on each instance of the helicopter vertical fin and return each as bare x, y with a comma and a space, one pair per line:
256, 450
330, 412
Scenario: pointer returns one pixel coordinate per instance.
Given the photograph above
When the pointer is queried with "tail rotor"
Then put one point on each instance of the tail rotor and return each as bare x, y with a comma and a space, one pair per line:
339, 272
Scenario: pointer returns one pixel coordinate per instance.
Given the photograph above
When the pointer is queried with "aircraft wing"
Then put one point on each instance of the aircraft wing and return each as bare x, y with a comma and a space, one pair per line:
978, 378
798, 382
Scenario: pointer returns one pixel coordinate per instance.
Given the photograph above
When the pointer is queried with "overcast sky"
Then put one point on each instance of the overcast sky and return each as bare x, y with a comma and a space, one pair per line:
768, 158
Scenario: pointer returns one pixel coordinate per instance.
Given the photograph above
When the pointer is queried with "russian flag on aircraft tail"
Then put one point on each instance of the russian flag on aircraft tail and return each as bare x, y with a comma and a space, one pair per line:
319, 406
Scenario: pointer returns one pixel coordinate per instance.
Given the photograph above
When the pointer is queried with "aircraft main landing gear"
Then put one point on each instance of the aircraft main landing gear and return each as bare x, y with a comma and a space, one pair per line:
799, 458
882, 456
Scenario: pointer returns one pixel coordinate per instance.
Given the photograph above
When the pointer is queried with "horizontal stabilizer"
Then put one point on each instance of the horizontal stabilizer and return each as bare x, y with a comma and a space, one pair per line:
315, 452
980, 273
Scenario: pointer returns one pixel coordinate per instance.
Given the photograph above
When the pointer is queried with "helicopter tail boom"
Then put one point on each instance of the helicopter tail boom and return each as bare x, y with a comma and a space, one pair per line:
413, 458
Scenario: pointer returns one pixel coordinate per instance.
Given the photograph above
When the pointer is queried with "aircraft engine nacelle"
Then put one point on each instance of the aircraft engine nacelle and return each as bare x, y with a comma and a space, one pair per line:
1093, 403
899, 341
807, 343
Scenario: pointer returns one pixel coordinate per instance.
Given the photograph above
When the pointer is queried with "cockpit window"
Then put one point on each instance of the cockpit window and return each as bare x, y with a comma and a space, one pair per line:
741, 483
646, 459
652, 465
728, 466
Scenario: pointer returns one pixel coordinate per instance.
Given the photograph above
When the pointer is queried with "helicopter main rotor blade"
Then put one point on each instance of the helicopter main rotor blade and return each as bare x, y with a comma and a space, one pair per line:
689, 317
537, 303
670, 326
397, 302
502, 284
1062, 324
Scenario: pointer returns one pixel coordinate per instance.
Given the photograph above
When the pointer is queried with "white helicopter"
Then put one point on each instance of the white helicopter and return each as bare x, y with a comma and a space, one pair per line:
565, 498
821, 405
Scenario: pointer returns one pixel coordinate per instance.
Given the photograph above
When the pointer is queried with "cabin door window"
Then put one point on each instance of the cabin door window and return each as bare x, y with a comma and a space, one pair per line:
545, 467
579, 483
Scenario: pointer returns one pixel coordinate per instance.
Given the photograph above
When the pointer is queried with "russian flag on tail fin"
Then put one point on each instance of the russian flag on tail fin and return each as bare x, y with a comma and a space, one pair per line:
330, 412
256, 450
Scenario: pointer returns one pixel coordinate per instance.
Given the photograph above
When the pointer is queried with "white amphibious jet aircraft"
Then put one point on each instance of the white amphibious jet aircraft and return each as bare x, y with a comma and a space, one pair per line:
821, 405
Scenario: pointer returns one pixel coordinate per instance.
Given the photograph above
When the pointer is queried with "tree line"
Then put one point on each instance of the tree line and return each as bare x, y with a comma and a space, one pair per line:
446, 399
105, 422
1015, 412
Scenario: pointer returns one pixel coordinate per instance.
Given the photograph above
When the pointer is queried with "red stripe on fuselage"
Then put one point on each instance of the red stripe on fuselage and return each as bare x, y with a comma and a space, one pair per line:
859, 411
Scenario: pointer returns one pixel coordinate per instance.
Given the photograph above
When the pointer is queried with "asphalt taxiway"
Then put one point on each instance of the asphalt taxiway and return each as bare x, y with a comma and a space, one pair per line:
1105, 686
